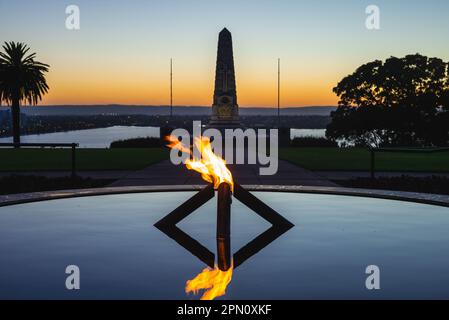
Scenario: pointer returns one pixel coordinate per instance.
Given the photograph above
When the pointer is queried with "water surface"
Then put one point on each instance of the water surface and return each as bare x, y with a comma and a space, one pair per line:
90, 138
121, 255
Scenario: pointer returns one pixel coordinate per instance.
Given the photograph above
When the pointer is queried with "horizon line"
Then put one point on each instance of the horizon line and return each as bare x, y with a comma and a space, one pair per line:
165, 106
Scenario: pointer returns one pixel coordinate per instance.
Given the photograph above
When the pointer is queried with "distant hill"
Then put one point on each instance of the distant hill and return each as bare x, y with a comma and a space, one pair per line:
164, 110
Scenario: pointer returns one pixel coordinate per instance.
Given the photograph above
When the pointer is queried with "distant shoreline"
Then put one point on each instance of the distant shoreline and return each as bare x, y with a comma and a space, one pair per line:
164, 110
166, 106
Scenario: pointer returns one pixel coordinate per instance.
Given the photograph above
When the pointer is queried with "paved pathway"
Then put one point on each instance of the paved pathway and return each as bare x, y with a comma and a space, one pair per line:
165, 173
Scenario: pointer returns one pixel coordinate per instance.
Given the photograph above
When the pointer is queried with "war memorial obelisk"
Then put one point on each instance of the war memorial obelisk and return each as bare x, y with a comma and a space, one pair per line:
225, 110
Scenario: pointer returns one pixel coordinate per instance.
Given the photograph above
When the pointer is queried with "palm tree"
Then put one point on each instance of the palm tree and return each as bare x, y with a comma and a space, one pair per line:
21, 80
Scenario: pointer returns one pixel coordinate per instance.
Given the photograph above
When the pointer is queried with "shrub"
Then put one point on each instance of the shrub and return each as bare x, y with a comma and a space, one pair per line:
137, 143
313, 142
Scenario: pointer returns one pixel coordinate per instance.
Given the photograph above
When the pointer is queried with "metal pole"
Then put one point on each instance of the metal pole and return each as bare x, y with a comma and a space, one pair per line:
171, 88
279, 92
224, 253
372, 164
224, 210
224, 226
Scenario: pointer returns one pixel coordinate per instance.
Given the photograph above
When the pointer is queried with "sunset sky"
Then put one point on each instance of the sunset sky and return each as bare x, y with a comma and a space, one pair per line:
122, 52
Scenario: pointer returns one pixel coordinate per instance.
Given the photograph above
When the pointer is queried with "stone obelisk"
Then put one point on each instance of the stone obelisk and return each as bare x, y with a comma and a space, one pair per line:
225, 110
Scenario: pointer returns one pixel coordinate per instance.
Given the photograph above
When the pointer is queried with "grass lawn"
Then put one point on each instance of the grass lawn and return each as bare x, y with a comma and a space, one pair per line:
86, 159
358, 159
325, 159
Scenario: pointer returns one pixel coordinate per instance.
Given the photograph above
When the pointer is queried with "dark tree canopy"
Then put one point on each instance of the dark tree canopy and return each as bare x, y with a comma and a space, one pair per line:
402, 101
22, 79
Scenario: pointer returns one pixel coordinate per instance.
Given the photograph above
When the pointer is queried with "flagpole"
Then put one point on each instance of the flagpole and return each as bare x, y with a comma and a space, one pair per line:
279, 92
171, 87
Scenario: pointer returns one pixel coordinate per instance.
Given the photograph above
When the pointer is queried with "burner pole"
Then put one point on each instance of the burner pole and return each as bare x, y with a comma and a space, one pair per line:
224, 210
224, 226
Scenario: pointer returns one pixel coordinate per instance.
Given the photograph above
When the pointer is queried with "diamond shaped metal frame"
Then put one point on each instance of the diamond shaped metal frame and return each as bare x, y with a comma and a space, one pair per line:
167, 225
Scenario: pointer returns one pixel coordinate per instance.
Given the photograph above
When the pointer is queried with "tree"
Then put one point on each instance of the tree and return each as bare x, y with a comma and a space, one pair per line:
396, 102
21, 80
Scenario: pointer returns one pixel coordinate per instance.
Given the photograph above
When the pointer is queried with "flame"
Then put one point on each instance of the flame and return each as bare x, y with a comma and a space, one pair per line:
214, 281
174, 143
212, 168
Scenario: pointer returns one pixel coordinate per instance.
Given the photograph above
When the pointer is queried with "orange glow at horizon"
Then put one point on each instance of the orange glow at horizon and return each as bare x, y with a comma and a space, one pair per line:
90, 86
91, 92
121, 54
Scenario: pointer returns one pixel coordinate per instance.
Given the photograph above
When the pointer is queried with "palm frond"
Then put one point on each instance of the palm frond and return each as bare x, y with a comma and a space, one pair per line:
20, 75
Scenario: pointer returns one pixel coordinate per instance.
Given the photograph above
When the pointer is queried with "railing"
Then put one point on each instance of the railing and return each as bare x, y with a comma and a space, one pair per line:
73, 146
399, 150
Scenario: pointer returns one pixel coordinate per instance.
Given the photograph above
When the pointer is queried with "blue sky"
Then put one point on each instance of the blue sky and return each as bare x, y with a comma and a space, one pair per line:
127, 44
